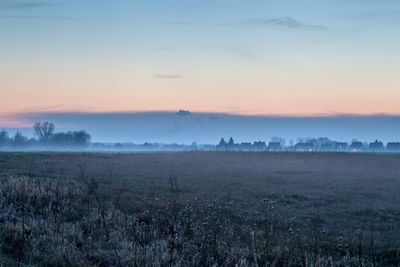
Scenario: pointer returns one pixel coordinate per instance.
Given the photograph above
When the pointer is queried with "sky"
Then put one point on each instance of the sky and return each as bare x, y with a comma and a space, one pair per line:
256, 57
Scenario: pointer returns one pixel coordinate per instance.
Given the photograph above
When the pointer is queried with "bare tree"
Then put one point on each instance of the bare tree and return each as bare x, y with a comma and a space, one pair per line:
44, 130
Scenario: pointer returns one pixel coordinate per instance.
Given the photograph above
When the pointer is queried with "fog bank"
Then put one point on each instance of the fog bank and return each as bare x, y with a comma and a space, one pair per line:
186, 127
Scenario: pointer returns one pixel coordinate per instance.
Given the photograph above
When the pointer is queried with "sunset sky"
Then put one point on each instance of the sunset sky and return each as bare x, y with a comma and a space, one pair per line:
299, 57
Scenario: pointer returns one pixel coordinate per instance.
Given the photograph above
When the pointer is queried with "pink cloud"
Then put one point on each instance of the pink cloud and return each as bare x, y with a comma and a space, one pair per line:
13, 121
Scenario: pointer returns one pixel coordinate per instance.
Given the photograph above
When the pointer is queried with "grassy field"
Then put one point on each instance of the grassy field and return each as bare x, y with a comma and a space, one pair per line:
200, 209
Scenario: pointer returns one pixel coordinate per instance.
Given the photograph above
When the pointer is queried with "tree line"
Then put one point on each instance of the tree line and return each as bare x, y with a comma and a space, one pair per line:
45, 136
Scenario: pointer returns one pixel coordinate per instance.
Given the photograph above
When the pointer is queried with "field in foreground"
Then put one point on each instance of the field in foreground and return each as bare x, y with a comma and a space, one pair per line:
199, 209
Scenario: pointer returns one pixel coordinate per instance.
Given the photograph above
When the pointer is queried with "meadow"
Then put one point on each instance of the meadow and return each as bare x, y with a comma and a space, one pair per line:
199, 209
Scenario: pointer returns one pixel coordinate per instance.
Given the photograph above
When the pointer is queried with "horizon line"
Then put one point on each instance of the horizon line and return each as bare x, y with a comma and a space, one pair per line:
244, 114
24, 119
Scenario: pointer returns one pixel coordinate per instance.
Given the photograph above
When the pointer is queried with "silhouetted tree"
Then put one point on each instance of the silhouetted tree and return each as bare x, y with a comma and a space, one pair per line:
62, 139
20, 140
4, 139
71, 139
81, 138
44, 130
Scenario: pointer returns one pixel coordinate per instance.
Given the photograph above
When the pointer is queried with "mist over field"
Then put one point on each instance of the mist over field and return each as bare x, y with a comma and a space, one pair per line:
186, 127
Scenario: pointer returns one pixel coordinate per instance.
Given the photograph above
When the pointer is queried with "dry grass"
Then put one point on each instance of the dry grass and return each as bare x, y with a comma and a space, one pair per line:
200, 208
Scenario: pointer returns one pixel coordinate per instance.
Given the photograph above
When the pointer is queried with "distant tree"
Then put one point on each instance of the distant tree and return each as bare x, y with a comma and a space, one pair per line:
44, 131
81, 138
20, 140
71, 139
4, 139
31, 142
62, 139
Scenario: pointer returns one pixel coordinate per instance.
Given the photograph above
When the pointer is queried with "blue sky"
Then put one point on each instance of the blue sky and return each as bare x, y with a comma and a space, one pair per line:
264, 58
312, 57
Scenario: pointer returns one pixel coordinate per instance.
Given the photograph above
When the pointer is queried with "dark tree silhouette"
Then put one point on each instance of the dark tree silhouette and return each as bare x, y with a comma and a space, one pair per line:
72, 139
81, 138
44, 130
46, 137
20, 140
4, 139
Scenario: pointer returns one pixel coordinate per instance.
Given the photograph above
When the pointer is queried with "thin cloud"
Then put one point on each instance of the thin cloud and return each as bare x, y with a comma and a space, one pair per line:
25, 5
283, 22
184, 113
168, 76
263, 23
40, 18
